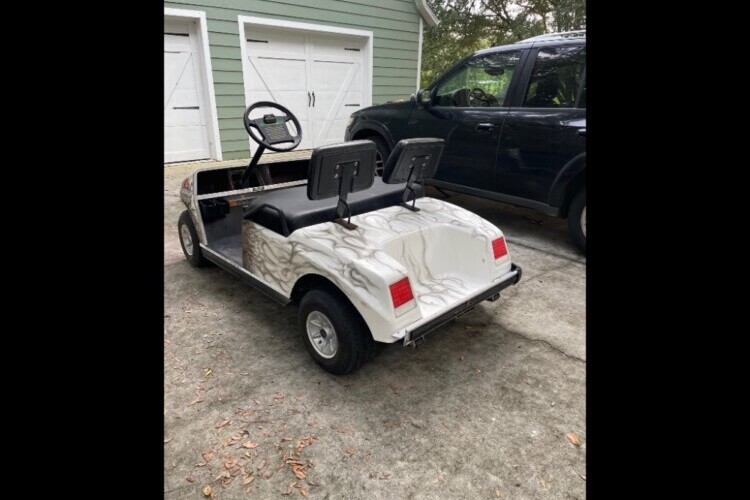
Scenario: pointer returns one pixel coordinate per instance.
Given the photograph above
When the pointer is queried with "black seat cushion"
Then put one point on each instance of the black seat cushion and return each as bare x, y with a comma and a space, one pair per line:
302, 212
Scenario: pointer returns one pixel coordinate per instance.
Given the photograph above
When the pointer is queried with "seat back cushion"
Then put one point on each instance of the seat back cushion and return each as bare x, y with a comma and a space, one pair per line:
300, 211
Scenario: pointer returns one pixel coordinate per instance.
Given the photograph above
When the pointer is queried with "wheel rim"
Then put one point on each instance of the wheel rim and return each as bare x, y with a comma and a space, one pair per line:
322, 335
583, 221
187, 240
378, 165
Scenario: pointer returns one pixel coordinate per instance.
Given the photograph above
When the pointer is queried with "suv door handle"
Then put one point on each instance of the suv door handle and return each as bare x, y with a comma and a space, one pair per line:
582, 132
485, 127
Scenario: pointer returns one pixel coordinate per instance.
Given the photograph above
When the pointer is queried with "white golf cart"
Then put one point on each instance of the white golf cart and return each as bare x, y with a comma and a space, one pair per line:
368, 259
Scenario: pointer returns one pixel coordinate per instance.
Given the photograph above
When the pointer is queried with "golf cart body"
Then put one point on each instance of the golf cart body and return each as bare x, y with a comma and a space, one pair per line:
404, 262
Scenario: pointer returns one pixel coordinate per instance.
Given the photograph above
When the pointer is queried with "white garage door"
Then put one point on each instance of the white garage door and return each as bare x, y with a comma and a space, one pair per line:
185, 116
319, 77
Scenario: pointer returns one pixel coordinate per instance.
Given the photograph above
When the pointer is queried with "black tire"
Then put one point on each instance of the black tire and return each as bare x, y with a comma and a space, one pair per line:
577, 230
354, 340
383, 153
195, 256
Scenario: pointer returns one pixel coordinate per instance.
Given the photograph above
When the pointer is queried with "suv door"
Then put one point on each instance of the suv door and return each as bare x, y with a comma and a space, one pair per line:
546, 125
466, 109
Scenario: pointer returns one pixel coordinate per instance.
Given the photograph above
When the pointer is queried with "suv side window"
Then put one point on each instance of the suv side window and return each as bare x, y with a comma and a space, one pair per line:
481, 82
556, 78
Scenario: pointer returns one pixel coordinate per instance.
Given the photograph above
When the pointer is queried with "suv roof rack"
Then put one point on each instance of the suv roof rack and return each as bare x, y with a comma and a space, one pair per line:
555, 37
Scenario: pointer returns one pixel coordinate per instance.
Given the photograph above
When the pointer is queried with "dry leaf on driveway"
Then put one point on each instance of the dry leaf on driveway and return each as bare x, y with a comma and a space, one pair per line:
207, 491
394, 388
573, 438
299, 472
249, 444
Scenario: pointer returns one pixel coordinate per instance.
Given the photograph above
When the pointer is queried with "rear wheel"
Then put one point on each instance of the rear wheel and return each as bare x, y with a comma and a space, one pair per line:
189, 241
577, 219
333, 331
382, 155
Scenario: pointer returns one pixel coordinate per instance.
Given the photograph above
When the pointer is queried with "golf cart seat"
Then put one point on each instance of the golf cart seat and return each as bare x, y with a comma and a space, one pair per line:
337, 171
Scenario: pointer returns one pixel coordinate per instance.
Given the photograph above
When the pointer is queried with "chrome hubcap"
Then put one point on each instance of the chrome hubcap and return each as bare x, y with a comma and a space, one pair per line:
322, 335
187, 241
583, 221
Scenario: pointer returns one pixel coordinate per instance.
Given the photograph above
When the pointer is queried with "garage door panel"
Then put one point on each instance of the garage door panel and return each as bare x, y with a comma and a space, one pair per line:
329, 105
330, 47
188, 79
276, 74
329, 76
285, 65
352, 103
184, 141
262, 42
174, 43
295, 101
185, 112
329, 131
185, 129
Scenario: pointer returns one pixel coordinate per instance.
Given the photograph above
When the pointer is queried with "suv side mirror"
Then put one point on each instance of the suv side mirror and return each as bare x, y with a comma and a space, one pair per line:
423, 97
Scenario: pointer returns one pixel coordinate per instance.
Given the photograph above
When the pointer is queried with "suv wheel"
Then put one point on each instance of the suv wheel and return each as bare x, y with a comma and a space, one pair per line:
383, 153
577, 219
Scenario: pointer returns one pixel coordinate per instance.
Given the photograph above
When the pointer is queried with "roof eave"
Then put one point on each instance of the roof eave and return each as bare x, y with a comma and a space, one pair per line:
426, 12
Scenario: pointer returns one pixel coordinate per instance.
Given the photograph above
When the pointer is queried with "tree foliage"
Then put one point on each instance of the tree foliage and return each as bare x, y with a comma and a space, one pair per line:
469, 25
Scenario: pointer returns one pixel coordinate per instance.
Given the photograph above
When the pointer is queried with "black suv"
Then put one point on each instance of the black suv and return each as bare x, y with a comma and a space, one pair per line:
514, 123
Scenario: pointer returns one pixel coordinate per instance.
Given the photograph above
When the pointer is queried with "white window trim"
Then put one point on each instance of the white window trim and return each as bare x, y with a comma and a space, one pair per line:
214, 140
308, 28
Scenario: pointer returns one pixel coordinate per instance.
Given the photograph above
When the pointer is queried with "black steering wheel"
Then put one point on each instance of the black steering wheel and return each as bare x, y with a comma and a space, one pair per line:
273, 129
482, 96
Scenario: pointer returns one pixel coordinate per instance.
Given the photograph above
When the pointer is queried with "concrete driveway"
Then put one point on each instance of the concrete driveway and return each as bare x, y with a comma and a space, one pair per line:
489, 406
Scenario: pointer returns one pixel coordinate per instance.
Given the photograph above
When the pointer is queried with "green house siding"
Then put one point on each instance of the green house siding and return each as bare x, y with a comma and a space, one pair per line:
395, 28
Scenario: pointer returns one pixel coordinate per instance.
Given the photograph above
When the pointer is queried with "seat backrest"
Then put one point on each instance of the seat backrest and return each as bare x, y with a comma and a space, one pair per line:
413, 160
341, 168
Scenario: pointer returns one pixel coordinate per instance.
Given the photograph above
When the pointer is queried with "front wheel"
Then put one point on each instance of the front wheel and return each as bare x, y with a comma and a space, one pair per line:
189, 241
333, 331
577, 219
382, 154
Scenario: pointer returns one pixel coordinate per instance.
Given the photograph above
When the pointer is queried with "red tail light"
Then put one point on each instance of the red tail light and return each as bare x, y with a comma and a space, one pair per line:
401, 292
499, 248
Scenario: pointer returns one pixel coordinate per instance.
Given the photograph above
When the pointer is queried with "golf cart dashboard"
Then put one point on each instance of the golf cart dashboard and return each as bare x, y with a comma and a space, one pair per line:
228, 179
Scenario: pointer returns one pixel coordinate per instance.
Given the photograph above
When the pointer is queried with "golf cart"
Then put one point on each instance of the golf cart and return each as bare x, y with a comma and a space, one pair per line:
367, 259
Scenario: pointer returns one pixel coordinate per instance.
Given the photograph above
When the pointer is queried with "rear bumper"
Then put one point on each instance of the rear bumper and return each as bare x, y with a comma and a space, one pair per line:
420, 329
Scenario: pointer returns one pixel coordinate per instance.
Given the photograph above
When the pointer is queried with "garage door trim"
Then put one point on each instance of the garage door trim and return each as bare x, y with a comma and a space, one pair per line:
264, 22
214, 140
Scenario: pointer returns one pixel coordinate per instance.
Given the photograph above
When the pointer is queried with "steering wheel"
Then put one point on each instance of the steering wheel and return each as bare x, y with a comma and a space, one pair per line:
272, 129
482, 96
